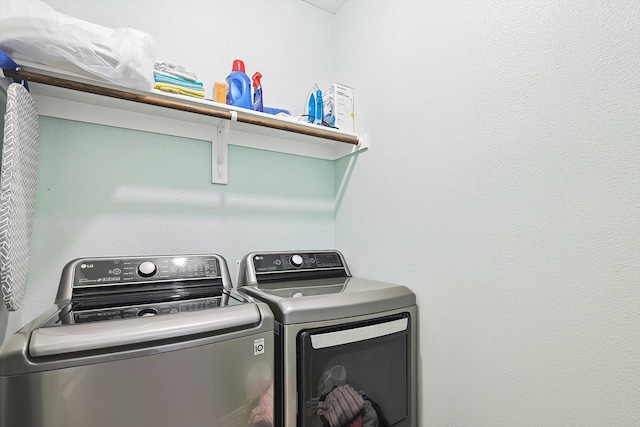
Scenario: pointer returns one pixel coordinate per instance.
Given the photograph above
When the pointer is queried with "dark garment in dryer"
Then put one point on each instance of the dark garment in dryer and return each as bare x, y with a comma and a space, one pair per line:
340, 406
375, 410
346, 407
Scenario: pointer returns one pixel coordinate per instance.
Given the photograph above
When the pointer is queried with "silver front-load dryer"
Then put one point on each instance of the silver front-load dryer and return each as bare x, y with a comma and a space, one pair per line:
142, 341
339, 339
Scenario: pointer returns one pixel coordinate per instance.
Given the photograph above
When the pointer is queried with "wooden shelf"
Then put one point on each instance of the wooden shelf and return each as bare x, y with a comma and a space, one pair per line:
81, 99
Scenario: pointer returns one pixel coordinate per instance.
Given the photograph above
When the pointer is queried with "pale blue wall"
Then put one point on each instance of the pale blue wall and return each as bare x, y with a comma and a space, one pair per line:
105, 191
93, 200
502, 185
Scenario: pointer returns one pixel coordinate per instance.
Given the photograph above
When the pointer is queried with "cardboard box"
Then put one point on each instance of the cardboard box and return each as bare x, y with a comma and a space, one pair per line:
339, 108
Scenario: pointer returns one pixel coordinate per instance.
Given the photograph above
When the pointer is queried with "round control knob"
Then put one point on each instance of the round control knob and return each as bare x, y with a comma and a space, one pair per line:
296, 260
147, 269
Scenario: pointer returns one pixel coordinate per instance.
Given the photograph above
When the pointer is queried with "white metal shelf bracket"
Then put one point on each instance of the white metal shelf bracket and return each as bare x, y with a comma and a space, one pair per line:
363, 145
220, 152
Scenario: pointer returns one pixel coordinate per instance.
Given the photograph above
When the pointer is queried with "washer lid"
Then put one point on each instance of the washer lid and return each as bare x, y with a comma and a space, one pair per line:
326, 299
118, 333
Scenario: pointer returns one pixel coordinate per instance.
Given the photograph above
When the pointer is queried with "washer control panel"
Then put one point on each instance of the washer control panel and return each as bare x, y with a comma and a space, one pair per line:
294, 261
113, 271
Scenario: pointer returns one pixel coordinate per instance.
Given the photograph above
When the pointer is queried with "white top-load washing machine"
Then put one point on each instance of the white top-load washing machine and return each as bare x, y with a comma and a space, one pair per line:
345, 346
142, 341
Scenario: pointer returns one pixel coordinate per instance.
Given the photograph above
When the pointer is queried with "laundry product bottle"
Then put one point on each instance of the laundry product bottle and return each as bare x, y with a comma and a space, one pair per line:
239, 86
257, 92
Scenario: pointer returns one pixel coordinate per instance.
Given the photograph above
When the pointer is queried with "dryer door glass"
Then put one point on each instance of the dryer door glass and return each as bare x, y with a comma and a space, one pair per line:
353, 370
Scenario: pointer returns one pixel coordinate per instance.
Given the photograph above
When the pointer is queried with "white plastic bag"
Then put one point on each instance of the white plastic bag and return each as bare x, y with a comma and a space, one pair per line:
33, 31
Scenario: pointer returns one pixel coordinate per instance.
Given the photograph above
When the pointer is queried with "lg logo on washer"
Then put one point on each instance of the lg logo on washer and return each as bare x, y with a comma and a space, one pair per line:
86, 266
258, 346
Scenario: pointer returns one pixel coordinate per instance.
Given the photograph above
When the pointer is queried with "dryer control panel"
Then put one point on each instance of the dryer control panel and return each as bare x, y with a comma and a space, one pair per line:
294, 261
264, 267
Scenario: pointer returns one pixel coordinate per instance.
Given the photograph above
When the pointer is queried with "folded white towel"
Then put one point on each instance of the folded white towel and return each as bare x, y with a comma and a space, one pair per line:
175, 70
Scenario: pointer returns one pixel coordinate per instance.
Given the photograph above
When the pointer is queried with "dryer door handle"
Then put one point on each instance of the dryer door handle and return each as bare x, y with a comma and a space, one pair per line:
362, 333
56, 340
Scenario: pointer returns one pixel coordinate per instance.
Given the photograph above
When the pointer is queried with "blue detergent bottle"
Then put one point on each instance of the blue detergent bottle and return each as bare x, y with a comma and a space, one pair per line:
239, 86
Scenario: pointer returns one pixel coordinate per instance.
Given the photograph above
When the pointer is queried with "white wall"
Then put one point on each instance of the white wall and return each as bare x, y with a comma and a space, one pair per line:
502, 185
273, 37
